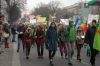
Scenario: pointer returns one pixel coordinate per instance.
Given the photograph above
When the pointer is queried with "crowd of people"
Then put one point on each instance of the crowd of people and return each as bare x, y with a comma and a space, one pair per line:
66, 38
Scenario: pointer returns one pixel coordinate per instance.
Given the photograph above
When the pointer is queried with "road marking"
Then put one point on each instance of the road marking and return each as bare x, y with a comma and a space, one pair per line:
16, 56
83, 62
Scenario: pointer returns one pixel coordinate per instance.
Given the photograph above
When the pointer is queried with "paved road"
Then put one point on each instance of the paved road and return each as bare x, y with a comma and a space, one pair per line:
11, 58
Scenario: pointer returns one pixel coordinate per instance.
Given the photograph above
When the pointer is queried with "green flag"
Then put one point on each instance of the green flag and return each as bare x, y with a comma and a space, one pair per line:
96, 44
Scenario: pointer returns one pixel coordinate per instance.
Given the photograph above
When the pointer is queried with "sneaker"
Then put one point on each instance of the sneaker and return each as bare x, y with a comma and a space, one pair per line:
17, 50
27, 57
70, 64
79, 59
51, 63
93, 65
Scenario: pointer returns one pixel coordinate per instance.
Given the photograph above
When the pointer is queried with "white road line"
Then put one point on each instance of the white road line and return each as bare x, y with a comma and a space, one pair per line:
16, 56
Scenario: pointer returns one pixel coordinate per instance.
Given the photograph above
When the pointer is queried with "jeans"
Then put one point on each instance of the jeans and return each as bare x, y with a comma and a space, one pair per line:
70, 51
40, 50
20, 41
51, 54
6, 42
13, 38
79, 46
28, 50
63, 49
93, 55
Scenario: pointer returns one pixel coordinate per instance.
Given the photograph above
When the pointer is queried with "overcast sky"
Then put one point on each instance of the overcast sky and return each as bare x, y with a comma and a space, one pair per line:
34, 3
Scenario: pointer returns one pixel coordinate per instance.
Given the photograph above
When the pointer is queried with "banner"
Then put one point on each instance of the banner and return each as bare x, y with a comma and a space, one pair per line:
64, 21
96, 44
41, 19
92, 17
32, 21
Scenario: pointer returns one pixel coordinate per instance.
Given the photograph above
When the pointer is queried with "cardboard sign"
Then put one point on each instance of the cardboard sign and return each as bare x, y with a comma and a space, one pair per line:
41, 19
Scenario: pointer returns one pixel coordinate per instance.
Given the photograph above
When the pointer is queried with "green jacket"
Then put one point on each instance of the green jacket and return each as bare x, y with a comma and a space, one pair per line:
71, 34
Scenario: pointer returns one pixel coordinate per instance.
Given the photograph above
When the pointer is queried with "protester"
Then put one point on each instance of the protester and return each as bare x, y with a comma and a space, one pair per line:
33, 35
51, 41
71, 38
88, 51
14, 29
1, 28
62, 41
79, 42
6, 34
40, 35
27, 37
90, 40
20, 32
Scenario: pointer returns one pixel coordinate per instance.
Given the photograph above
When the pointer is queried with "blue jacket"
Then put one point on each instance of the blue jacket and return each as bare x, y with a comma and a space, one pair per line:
51, 39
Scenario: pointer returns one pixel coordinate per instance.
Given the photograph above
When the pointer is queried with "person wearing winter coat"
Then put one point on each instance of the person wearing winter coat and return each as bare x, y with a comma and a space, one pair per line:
71, 38
40, 36
89, 39
14, 29
52, 41
6, 34
62, 41
27, 39
20, 31
79, 41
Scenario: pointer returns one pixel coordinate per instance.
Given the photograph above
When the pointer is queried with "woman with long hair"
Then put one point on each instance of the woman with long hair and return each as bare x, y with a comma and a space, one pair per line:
27, 37
40, 35
79, 41
51, 41
62, 41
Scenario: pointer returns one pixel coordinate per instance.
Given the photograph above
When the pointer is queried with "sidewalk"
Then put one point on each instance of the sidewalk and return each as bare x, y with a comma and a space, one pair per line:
6, 57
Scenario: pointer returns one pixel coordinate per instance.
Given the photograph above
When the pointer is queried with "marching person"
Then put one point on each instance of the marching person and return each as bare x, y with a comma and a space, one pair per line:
71, 38
14, 29
90, 40
40, 35
27, 37
20, 32
51, 41
62, 41
6, 34
79, 41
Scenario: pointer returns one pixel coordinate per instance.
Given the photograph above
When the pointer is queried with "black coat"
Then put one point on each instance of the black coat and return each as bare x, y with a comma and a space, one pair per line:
20, 29
89, 38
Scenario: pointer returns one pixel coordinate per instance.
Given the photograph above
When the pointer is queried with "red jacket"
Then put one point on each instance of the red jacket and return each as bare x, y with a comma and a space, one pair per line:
27, 39
40, 37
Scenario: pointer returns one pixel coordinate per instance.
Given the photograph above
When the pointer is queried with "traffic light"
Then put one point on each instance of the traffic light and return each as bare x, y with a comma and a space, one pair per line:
91, 2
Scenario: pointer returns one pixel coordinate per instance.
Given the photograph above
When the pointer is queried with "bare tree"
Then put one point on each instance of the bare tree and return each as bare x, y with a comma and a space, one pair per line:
13, 9
47, 9
53, 6
42, 10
